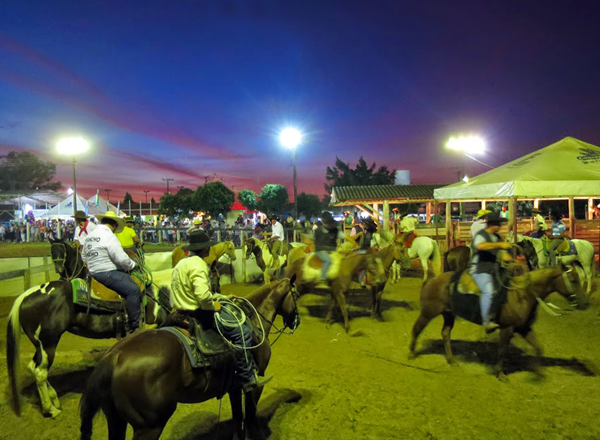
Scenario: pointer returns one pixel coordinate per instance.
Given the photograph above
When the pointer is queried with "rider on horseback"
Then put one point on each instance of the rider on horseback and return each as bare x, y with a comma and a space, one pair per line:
127, 237
558, 236
364, 233
84, 227
479, 222
191, 296
326, 236
276, 237
540, 226
104, 255
486, 245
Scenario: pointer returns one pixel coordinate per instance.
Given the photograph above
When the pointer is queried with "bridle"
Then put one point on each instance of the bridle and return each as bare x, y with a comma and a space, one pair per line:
75, 272
281, 331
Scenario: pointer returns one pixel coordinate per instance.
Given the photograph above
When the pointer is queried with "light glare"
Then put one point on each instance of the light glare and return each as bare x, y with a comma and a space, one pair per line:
466, 179
72, 146
472, 145
290, 137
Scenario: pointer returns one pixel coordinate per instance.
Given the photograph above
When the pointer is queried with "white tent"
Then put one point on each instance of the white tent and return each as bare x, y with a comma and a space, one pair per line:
567, 168
64, 209
101, 208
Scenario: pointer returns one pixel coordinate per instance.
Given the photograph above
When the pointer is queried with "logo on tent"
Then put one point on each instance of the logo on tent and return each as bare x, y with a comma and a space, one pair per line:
588, 156
524, 161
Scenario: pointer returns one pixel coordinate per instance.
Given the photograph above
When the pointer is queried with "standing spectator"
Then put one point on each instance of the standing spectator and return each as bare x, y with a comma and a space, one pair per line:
2, 231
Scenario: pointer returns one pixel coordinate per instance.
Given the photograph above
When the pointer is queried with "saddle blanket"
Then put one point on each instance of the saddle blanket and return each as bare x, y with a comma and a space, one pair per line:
99, 297
311, 268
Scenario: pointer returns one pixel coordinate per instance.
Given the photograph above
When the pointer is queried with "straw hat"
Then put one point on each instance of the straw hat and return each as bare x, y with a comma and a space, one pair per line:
482, 213
536, 211
80, 215
128, 219
114, 217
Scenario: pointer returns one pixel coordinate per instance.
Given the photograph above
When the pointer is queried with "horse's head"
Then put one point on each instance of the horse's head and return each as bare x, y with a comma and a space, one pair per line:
401, 255
58, 251
230, 250
288, 309
249, 243
529, 253
375, 270
571, 287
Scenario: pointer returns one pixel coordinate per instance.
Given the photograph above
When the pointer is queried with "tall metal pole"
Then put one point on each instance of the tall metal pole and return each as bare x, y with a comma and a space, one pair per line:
74, 188
168, 180
295, 188
146, 192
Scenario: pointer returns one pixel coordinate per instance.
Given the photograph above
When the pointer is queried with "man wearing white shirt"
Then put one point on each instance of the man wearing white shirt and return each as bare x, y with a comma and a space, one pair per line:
84, 227
276, 236
480, 222
104, 256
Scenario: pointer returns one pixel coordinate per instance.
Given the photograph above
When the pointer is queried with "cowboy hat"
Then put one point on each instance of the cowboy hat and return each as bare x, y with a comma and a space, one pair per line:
199, 240
114, 217
328, 221
197, 221
395, 209
494, 217
536, 211
80, 215
482, 213
128, 219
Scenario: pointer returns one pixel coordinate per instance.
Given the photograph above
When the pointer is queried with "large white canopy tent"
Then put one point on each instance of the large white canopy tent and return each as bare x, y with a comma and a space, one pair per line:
567, 169
64, 209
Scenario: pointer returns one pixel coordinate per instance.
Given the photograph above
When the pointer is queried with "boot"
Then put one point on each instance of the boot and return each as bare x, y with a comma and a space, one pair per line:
255, 382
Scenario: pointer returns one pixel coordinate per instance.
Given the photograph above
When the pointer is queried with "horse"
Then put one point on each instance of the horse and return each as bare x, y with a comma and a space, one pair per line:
350, 268
425, 249
142, 378
392, 254
45, 313
264, 259
216, 252
584, 256
457, 259
67, 260
517, 314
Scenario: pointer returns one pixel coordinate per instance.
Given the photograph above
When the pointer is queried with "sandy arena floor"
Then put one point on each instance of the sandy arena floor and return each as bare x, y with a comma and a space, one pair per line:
329, 385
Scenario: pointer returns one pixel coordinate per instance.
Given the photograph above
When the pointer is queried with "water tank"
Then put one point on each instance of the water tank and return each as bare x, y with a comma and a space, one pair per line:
402, 177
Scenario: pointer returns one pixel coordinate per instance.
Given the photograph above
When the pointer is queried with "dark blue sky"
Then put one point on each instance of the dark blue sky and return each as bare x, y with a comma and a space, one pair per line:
185, 89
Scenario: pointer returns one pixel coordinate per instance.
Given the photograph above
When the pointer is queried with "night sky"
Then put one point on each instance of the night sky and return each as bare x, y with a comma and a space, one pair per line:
187, 89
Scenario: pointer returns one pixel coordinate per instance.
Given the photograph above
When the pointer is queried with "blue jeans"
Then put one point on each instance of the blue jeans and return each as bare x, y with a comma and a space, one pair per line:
327, 261
122, 283
485, 282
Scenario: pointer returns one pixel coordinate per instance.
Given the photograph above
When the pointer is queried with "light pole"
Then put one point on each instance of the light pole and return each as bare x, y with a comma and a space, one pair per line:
146, 192
290, 138
72, 147
469, 146
168, 180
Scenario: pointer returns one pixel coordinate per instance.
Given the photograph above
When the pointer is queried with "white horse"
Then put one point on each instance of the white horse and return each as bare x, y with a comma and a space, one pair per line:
426, 250
585, 255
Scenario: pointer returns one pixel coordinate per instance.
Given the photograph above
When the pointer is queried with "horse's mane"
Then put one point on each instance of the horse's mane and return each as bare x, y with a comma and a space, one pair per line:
262, 292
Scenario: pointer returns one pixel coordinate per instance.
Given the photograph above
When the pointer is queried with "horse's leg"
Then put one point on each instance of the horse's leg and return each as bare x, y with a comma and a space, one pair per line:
117, 426
531, 337
446, 330
39, 367
147, 433
338, 295
376, 293
393, 275
237, 414
420, 324
506, 335
425, 264
253, 428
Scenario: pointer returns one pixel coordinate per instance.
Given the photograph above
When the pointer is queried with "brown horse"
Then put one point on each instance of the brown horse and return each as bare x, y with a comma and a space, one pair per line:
457, 259
350, 269
517, 314
264, 259
216, 252
142, 378
389, 255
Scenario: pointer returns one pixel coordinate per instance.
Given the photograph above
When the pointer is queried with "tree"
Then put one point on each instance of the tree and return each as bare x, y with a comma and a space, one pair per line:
177, 206
309, 204
273, 198
26, 171
214, 198
247, 198
343, 175
127, 199
153, 201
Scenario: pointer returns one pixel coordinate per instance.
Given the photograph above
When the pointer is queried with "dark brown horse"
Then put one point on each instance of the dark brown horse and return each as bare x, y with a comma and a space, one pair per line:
457, 259
45, 313
350, 269
517, 314
393, 253
142, 378
67, 260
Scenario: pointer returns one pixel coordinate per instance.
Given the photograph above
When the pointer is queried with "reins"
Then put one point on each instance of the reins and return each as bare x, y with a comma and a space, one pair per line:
279, 331
63, 260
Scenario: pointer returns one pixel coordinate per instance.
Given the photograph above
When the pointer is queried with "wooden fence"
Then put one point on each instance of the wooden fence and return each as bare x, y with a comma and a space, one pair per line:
26, 273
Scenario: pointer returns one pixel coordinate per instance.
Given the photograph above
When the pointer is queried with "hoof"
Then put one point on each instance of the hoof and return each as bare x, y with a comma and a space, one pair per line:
451, 361
411, 356
53, 413
355, 333
502, 377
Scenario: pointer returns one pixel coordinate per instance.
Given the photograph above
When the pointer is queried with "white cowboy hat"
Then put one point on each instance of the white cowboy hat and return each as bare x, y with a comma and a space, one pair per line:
113, 216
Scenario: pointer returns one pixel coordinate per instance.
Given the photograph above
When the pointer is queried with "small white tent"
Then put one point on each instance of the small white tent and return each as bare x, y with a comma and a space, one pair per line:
102, 206
64, 209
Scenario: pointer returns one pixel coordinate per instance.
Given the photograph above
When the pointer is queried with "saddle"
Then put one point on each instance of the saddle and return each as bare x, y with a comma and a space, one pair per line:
565, 248
96, 296
408, 239
312, 266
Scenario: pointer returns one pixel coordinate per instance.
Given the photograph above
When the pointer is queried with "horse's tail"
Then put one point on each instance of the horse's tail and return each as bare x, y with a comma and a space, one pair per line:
436, 261
96, 392
446, 264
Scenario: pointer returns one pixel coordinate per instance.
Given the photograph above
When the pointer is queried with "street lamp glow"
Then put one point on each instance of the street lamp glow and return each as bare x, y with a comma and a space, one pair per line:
466, 179
72, 146
471, 145
290, 137
69, 191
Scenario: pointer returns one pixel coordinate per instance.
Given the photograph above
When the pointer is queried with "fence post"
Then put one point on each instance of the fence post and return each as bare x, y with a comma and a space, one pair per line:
46, 272
160, 234
27, 279
178, 236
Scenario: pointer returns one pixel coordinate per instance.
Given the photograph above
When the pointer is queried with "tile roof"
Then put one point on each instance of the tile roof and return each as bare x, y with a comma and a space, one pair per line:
379, 193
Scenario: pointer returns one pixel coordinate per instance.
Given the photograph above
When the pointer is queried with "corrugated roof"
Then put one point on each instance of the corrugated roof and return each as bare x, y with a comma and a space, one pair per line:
379, 193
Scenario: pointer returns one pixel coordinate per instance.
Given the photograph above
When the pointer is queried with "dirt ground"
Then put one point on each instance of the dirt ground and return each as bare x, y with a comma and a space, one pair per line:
330, 385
